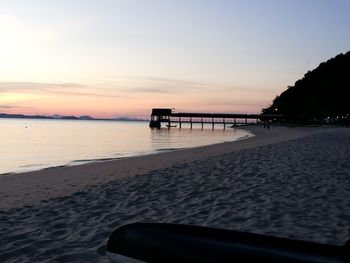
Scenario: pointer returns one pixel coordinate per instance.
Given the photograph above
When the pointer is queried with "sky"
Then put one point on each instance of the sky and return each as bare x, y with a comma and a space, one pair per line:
108, 58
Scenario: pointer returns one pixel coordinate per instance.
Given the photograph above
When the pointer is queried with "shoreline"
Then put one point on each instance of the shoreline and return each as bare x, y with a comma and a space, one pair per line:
19, 189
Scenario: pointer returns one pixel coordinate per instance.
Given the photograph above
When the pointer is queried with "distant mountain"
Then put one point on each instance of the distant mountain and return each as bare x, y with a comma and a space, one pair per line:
21, 116
322, 94
55, 116
69, 118
62, 117
85, 117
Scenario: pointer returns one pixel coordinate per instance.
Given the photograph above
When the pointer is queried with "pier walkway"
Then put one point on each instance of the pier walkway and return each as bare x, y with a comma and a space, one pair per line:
163, 115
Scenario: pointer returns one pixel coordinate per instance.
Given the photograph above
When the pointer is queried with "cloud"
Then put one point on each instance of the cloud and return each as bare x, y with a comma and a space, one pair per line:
125, 93
178, 82
14, 107
64, 89
161, 85
236, 102
138, 84
148, 90
38, 85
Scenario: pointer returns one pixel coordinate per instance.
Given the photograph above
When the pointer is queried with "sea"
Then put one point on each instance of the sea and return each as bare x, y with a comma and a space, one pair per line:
34, 144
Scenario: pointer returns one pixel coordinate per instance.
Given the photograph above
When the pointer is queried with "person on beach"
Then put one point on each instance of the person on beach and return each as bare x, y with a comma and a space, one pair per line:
267, 125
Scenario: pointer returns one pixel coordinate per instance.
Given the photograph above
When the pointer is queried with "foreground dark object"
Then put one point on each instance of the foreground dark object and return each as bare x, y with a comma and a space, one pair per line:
182, 243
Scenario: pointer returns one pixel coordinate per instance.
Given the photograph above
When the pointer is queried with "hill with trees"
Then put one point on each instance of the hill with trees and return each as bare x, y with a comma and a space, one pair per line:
322, 95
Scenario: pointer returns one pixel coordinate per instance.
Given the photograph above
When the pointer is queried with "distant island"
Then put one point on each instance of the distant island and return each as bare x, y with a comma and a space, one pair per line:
322, 95
62, 117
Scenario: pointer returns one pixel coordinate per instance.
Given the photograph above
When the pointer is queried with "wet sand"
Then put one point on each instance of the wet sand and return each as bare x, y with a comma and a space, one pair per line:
288, 182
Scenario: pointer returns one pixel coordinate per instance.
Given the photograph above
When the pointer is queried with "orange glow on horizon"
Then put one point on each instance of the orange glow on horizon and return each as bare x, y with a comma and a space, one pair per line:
110, 101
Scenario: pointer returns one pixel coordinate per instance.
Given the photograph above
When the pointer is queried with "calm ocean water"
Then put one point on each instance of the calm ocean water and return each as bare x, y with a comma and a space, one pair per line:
29, 144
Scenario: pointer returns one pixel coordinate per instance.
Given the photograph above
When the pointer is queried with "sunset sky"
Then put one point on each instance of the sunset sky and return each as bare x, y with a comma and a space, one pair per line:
109, 58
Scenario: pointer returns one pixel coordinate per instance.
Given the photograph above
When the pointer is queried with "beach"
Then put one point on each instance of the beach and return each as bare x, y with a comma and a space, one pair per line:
286, 182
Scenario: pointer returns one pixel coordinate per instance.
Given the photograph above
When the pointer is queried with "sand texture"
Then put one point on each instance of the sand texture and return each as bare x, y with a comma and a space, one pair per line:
298, 188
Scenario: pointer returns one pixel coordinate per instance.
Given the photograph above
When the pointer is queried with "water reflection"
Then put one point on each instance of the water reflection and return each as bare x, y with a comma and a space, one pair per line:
35, 144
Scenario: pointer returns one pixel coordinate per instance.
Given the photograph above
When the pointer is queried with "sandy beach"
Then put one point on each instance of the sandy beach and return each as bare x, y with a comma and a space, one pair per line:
287, 182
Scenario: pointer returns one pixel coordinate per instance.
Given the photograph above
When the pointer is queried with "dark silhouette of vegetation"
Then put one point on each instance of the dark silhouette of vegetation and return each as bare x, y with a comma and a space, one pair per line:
322, 95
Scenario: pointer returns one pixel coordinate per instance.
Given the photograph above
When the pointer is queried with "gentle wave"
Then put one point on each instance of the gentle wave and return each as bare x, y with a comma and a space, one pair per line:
169, 149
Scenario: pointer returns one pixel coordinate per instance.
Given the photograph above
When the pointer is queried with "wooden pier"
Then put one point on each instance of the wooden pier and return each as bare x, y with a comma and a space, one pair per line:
169, 117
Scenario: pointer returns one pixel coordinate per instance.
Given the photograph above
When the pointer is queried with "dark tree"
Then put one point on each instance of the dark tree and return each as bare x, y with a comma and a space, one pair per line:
322, 94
